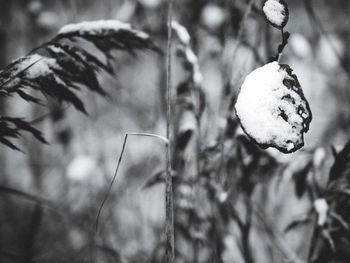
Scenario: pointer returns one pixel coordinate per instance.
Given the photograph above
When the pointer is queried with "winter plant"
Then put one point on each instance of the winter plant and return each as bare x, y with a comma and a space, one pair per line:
271, 106
59, 67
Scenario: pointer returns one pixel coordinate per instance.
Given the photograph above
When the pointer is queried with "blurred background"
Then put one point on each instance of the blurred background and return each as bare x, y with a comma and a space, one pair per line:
238, 205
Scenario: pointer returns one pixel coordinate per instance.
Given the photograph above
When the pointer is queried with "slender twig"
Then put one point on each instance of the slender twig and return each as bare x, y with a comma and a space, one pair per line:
165, 140
169, 207
34, 198
285, 37
111, 184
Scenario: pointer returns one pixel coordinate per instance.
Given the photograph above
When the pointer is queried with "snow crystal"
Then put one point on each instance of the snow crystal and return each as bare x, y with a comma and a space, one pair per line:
99, 27
269, 110
321, 208
182, 32
276, 12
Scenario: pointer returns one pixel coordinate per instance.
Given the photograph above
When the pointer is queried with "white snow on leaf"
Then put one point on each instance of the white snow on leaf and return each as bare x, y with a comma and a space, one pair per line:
99, 27
276, 12
321, 208
36, 65
193, 60
272, 109
181, 32
189, 55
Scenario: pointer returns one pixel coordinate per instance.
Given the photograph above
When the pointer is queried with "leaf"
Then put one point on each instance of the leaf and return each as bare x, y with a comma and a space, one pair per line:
157, 178
67, 67
272, 108
298, 223
300, 179
341, 166
108, 35
12, 128
332, 243
276, 13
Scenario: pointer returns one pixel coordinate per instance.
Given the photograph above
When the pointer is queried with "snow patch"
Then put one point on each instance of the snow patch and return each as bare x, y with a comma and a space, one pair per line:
276, 12
98, 27
35, 66
181, 32
321, 208
189, 55
272, 109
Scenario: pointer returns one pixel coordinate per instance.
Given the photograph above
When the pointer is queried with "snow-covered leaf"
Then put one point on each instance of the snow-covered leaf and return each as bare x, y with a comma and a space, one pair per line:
108, 35
272, 108
66, 67
276, 13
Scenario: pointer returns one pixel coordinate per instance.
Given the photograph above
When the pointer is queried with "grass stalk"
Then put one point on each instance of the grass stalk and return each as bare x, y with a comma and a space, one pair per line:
169, 207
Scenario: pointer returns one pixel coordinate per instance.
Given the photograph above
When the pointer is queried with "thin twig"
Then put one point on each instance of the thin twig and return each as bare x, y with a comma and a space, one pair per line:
169, 207
165, 140
285, 37
34, 198
112, 182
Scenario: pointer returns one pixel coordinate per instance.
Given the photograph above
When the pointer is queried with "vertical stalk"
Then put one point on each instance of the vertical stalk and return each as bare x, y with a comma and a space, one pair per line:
169, 208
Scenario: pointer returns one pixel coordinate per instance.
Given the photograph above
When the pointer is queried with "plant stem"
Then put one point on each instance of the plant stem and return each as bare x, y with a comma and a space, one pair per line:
169, 207
285, 37
111, 184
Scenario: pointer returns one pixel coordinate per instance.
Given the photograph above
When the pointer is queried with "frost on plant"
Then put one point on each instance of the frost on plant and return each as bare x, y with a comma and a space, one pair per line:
98, 27
65, 68
185, 51
276, 12
272, 108
321, 208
